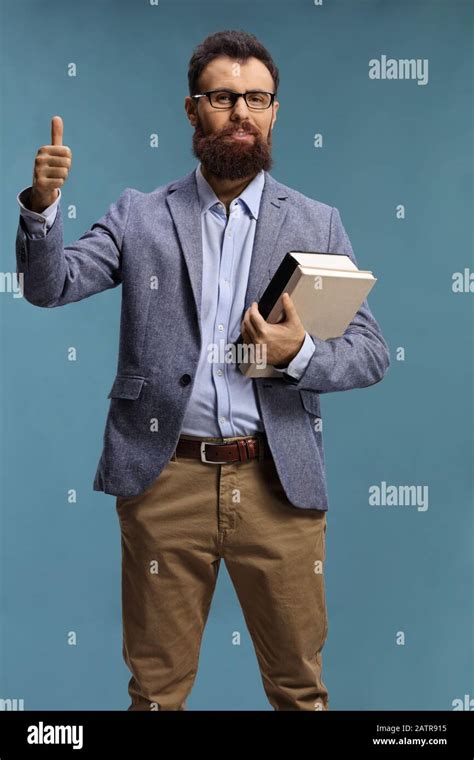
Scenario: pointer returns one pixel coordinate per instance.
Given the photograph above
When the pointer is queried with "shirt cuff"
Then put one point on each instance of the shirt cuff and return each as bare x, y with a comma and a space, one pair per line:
299, 362
37, 225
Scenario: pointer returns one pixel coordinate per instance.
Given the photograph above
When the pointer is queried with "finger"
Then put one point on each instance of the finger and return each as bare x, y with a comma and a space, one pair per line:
55, 150
288, 305
55, 172
57, 127
244, 320
54, 160
255, 317
250, 332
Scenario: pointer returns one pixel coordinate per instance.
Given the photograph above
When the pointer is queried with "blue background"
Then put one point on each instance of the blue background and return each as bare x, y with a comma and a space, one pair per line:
386, 143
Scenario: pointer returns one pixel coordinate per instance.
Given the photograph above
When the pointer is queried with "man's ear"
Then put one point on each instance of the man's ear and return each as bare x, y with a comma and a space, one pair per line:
275, 109
190, 108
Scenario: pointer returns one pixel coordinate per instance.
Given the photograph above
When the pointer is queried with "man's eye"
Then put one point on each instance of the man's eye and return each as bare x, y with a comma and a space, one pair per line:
256, 97
222, 97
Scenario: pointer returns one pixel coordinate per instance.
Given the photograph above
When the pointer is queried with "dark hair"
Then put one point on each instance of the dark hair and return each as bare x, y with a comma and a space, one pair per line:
234, 43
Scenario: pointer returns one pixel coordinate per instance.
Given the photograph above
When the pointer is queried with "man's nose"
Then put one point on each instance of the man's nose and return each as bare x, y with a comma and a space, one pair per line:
240, 108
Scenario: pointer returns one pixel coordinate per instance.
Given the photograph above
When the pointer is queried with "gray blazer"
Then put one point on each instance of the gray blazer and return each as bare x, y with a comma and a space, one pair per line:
150, 243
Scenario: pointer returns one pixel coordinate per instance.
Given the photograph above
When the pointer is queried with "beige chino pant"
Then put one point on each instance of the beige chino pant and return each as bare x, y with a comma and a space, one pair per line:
173, 537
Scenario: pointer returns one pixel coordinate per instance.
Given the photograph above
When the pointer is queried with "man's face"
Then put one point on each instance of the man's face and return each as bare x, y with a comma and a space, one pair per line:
214, 144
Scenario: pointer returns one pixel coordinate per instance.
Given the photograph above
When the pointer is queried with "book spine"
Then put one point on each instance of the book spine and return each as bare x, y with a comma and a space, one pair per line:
275, 288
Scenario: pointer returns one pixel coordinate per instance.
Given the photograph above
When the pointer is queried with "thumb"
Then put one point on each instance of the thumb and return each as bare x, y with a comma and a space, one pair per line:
56, 130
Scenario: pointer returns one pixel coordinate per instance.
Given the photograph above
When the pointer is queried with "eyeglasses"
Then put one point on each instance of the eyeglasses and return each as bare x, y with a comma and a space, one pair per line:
225, 99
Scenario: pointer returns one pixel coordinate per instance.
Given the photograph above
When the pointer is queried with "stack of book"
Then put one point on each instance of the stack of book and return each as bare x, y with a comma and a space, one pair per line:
327, 290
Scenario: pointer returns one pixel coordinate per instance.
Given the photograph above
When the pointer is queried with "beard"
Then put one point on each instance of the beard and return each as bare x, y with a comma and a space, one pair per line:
231, 159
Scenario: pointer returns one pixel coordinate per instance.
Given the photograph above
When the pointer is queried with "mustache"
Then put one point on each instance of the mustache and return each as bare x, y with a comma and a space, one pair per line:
230, 130
244, 128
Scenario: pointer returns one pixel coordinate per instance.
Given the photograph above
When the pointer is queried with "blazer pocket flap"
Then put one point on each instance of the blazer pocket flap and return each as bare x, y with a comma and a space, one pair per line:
126, 387
310, 401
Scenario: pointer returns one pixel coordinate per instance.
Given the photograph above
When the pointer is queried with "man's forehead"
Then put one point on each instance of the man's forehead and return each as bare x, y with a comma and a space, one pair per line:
225, 72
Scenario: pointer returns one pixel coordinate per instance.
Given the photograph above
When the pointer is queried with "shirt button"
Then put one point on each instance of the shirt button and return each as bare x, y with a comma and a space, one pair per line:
220, 327
219, 372
222, 419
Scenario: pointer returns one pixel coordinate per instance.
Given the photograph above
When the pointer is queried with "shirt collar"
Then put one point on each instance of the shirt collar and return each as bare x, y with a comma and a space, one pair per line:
250, 196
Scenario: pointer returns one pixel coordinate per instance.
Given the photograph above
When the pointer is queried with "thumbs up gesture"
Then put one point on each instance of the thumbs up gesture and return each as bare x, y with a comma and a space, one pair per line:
51, 168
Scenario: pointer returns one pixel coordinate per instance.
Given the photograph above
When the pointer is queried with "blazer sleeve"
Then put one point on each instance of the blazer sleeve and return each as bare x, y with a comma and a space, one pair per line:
358, 358
51, 274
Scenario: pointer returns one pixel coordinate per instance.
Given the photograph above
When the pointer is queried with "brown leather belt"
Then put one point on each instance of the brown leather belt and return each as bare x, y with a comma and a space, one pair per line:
242, 450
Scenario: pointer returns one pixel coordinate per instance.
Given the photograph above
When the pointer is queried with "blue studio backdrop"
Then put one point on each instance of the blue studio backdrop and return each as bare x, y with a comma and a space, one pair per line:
390, 145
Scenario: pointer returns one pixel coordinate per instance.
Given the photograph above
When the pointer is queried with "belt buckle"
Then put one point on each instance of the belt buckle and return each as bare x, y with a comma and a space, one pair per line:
203, 452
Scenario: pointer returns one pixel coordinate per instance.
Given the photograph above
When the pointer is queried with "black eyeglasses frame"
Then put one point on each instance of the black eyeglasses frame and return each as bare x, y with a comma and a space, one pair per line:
236, 96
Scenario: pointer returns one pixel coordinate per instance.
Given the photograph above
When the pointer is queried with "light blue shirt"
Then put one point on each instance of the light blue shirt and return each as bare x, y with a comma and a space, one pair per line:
223, 401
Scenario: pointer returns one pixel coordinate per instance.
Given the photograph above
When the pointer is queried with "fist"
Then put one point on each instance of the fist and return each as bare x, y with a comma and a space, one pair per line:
51, 168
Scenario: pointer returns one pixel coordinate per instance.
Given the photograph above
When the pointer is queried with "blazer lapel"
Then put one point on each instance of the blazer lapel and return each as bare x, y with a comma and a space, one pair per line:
265, 256
183, 203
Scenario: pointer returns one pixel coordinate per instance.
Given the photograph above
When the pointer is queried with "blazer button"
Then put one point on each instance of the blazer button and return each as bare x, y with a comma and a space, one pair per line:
185, 379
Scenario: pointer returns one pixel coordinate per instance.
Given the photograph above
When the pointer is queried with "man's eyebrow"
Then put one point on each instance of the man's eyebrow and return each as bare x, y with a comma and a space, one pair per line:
254, 89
